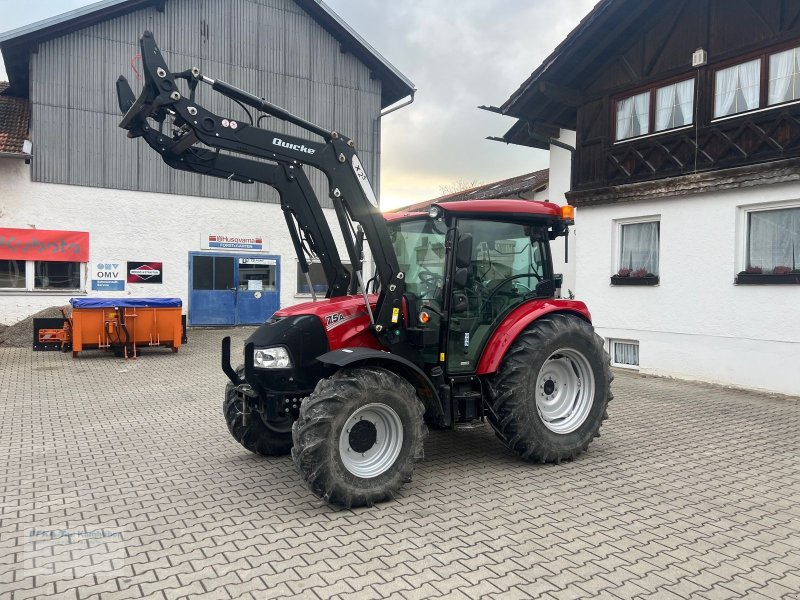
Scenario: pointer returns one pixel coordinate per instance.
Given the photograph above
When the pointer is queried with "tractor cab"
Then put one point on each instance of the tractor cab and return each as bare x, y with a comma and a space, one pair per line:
468, 264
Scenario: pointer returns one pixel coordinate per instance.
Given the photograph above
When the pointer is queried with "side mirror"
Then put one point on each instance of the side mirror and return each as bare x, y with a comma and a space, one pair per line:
460, 277
546, 289
464, 250
460, 303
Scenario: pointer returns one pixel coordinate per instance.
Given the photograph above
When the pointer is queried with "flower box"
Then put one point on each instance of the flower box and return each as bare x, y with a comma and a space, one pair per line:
767, 279
646, 280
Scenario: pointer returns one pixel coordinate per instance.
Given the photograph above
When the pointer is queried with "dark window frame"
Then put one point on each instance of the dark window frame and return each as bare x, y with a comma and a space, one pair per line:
763, 56
652, 89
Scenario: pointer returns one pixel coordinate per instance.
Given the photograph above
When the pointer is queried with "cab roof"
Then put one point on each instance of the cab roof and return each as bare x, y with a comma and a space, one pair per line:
488, 208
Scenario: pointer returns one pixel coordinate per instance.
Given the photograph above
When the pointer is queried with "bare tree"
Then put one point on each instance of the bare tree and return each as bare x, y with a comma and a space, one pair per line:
459, 185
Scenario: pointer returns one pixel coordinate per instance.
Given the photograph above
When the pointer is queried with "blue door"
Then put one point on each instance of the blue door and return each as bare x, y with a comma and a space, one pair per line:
227, 289
257, 294
212, 291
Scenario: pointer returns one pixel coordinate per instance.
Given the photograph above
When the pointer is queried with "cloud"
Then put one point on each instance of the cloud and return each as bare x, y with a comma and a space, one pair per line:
459, 54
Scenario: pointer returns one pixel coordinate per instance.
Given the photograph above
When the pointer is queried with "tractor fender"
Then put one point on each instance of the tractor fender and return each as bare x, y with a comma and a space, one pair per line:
516, 321
426, 390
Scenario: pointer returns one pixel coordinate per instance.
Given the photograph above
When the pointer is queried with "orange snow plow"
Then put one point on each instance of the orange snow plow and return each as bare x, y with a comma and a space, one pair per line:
122, 325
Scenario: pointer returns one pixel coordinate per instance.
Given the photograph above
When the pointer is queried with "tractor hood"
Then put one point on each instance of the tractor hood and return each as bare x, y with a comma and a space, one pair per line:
344, 321
328, 307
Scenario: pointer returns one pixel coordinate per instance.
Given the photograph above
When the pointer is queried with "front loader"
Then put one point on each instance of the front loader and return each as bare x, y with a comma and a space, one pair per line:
460, 321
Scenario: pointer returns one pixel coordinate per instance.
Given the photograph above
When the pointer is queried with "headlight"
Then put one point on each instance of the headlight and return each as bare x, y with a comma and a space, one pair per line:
272, 358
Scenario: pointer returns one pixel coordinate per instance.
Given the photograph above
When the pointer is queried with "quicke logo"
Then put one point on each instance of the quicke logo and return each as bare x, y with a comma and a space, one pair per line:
299, 147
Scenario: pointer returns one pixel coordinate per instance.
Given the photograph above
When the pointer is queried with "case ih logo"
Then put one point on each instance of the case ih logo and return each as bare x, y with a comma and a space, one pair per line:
145, 272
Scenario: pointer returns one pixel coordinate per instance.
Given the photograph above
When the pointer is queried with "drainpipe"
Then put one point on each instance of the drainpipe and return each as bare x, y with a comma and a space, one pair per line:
395, 107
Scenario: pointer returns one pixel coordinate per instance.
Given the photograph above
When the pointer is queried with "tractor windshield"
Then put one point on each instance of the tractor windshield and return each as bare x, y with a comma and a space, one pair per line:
420, 249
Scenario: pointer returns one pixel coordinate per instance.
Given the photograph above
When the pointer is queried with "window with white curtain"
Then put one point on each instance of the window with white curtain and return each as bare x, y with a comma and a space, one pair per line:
624, 353
737, 88
675, 105
773, 239
638, 246
784, 76
633, 116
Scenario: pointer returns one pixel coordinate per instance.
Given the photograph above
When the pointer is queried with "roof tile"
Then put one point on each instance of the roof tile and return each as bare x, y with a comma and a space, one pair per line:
15, 118
506, 188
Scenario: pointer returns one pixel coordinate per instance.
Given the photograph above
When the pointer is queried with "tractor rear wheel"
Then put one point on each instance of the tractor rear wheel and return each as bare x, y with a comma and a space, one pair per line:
252, 431
549, 396
358, 436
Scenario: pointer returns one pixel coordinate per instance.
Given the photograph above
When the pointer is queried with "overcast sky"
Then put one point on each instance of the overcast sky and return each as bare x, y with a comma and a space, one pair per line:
459, 54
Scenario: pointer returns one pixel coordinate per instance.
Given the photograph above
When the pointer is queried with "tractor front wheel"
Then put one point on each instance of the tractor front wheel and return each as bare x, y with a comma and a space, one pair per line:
359, 436
251, 430
549, 396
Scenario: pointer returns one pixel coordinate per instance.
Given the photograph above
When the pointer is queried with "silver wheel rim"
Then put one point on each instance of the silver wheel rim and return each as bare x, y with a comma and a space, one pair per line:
564, 391
361, 458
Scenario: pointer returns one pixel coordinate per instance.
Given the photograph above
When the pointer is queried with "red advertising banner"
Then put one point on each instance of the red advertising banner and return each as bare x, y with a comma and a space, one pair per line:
44, 244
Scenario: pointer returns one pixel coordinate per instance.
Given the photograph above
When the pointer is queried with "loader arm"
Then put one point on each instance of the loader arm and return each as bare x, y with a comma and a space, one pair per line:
304, 216
351, 194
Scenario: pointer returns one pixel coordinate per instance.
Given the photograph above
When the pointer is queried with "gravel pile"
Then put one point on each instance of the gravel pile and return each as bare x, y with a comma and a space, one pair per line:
20, 335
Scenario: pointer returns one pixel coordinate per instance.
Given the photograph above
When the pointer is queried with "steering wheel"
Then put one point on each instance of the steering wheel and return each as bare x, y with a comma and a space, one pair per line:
427, 277
507, 280
430, 282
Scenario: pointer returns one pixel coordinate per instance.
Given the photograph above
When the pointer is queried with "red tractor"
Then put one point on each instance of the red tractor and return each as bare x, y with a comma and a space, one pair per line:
461, 320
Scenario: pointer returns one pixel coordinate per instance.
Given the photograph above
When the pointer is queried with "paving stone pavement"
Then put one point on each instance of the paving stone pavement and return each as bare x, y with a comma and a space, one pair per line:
118, 479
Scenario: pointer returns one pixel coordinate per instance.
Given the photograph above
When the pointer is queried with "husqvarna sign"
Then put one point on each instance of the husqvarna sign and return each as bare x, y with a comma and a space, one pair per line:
233, 241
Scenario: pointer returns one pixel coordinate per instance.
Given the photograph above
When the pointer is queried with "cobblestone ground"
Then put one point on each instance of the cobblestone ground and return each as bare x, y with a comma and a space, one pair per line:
119, 480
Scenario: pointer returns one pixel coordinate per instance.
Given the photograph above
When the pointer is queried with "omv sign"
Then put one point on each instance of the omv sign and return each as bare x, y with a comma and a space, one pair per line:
108, 276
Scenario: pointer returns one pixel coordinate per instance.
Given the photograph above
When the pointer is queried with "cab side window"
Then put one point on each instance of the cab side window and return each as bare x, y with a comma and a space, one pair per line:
505, 255
508, 262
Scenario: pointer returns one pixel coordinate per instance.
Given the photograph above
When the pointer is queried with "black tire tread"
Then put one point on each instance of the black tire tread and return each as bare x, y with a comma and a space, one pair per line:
254, 435
312, 432
507, 411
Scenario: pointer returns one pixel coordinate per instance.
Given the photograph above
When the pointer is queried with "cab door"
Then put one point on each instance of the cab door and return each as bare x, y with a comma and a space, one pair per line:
507, 261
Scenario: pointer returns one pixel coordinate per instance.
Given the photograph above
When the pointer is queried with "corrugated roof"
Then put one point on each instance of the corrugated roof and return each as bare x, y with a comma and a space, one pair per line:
15, 118
17, 44
505, 188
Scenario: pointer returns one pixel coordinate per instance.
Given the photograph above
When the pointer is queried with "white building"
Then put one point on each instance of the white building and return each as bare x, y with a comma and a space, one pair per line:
81, 206
686, 179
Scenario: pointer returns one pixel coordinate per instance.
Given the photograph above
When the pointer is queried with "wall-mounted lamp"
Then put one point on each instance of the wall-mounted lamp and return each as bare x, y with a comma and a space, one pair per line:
699, 58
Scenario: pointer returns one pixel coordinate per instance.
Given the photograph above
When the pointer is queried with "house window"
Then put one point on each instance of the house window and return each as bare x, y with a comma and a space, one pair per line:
30, 275
675, 105
51, 275
737, 88
773, 241
784, 76
624, 353
317, 275
633, 116
659, 108
638, 248
12, 274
